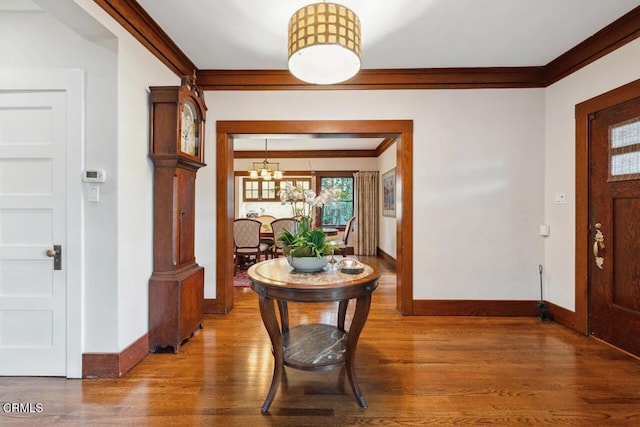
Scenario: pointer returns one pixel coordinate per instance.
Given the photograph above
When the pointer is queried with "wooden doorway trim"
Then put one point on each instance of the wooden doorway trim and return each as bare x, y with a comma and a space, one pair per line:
403, 129
583, 112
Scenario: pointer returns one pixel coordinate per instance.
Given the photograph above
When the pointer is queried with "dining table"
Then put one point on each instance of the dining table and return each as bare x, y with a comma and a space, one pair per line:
330, 231
266, 232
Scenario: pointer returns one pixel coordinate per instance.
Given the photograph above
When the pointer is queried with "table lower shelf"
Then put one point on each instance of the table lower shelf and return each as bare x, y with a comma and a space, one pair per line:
314, 347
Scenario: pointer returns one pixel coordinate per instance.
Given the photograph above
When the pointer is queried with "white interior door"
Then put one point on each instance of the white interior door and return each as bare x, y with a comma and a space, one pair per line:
32, 220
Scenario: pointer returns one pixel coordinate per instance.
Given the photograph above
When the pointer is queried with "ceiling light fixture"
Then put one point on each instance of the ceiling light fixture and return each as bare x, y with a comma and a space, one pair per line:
264, 169
324, 43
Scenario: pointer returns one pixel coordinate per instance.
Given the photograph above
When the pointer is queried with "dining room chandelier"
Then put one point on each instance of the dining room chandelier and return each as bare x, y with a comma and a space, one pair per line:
324, 43
266, 170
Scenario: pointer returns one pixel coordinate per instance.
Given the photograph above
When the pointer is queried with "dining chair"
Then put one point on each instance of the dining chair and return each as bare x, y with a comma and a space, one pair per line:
246, 241
345, 244
278, 226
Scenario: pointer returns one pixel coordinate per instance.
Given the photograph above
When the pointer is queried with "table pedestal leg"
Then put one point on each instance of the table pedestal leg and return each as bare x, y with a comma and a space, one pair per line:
359, 318
268, 313
342, 313
283, 307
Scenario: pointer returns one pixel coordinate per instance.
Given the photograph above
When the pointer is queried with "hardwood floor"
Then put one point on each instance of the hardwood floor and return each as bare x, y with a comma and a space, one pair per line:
435, 371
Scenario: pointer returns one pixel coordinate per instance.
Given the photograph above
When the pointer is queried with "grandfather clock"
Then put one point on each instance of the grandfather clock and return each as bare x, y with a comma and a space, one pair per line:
176, 287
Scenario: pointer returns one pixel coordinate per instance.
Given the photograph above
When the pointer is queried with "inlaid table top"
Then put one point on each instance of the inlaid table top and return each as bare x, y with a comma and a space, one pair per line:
277, 272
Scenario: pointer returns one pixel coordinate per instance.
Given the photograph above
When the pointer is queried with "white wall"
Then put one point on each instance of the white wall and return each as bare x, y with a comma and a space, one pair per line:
37, 40
388, 225
610, 72
118, 230
137, 69
478, 179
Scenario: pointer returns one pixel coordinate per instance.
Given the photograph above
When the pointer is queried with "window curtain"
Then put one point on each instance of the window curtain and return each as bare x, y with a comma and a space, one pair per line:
366, 207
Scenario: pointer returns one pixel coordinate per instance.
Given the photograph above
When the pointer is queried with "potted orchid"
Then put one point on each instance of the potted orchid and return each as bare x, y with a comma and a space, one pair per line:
306, 244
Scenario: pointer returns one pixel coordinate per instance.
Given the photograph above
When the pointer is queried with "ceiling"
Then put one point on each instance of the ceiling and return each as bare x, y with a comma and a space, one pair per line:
427, 35
302, 143
252, 34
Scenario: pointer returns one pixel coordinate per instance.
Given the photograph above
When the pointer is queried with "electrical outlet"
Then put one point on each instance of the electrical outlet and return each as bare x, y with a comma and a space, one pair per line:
544, 230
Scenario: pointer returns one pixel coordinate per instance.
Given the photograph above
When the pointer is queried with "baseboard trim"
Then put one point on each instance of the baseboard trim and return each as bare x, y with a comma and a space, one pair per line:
115, 365
474, 308
388, 258
563, 316
210, 306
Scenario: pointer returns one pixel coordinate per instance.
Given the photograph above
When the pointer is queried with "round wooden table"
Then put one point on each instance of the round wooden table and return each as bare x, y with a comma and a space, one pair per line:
312, 347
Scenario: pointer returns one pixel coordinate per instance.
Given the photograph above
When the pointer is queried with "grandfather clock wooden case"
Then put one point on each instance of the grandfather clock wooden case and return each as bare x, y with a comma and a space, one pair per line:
176, 287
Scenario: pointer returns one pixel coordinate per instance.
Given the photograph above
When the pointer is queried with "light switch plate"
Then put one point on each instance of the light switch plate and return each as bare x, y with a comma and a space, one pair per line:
94, 193
560, 198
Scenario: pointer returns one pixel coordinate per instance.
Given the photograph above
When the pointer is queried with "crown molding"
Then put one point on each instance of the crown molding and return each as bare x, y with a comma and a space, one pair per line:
402, 78
139, 23
304, 154
288, 174
318, 154
385, 144
620, 32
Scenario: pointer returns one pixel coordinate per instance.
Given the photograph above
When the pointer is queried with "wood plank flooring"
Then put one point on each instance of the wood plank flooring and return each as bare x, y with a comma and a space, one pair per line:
433, 371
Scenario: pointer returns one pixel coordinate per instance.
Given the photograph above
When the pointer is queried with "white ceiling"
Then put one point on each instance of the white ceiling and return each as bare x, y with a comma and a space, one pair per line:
18, 6
303, 143
252, 34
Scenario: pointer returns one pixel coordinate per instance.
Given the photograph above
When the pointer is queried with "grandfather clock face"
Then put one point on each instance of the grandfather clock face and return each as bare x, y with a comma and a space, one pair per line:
189, 138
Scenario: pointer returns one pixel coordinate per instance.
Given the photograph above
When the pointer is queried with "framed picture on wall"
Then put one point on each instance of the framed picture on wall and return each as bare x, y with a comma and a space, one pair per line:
389, 193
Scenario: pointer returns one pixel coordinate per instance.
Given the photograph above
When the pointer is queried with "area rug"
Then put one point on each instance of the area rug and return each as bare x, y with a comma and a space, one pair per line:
241, 280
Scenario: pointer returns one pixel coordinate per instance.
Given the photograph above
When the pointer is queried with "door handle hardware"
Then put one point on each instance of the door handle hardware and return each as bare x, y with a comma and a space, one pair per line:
56, 254
597, 245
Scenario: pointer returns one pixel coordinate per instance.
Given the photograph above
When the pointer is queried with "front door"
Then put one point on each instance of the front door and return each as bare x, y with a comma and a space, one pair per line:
32, 220
614, 224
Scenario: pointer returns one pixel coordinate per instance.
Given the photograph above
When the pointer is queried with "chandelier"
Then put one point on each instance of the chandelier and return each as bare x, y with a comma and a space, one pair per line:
324, 43
264, 169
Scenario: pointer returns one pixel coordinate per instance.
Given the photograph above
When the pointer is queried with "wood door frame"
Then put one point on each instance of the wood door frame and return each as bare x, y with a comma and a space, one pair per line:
344, 128
583, 111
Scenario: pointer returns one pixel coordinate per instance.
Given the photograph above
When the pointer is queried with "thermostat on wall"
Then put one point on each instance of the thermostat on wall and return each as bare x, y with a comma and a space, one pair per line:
94, 175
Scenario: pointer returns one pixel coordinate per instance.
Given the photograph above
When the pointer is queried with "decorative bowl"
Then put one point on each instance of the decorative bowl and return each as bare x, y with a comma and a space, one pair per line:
351, 266
307, 264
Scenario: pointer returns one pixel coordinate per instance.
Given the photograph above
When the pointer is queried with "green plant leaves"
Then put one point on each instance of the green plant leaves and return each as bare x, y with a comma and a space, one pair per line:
311, 243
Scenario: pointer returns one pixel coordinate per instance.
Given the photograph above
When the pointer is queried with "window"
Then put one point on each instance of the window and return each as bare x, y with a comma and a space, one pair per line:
258, 190
338, 213
251, 190
298, 182
268, 190
624, 151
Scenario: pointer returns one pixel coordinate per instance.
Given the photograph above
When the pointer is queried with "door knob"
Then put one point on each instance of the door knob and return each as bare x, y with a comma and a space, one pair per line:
56, 254
597, 245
